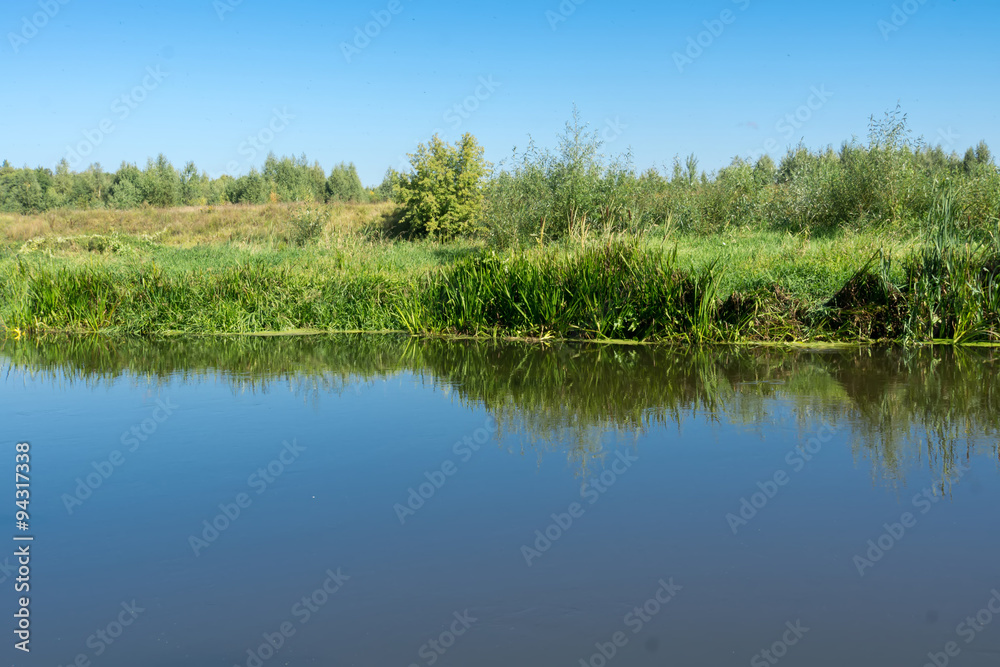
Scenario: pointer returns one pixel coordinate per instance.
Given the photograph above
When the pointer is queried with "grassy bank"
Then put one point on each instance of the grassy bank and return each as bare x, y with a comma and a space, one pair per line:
249, 270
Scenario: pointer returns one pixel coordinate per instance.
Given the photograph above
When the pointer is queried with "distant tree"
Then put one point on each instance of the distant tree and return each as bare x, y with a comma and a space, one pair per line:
249, 189
192, 185
969, 161
90, 189
983, 153
765, 171
386, 189
344, 184
21, 192
161, 184
126, 187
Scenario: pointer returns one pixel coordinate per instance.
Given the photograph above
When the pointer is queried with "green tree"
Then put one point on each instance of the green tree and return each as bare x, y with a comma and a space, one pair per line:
983, 153
344, 184
192, 185
443, 194
386, 191
249, 189
126, 187
90, 188
161, 184
20, 191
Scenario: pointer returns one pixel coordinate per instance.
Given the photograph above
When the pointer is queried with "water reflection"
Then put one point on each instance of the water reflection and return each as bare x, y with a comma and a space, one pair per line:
903, 407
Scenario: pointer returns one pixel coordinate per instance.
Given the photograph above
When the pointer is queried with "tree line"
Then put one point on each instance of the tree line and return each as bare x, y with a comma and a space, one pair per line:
160, 184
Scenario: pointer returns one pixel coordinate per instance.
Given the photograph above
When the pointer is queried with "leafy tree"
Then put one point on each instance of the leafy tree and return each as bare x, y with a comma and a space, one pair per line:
386, 190
90, 188
443, 194
249, 189
765, 170
126, 187
20, 191
983, 153
344, 184
161, 184
192, 185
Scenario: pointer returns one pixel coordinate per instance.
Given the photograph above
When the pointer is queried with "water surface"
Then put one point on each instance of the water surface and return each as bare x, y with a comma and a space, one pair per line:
480, 504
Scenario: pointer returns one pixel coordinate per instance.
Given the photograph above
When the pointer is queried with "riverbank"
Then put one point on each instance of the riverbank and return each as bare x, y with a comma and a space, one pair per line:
256, 269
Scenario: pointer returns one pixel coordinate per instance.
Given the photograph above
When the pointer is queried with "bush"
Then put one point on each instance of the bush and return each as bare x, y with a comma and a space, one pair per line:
546, 196
306, 224
443, 194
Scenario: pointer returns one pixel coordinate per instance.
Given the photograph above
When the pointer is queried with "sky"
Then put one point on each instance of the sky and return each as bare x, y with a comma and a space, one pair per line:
223, 82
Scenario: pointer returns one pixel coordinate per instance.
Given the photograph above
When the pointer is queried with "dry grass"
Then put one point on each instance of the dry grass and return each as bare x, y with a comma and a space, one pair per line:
186, 226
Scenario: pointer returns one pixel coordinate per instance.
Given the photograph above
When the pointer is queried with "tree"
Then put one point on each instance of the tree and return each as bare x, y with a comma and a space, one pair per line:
126, 188
386, 190
344, 184
443, 194
191, 185
161, 184
983, 153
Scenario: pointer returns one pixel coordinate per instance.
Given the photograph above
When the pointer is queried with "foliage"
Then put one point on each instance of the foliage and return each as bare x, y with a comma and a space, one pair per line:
344, 185
442, 196
387, 189
547, 196
306, 224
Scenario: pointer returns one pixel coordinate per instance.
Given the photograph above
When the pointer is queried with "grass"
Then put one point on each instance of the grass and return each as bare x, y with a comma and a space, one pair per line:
252, 269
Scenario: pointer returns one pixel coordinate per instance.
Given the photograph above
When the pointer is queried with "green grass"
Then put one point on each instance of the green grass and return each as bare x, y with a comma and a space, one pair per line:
660, 285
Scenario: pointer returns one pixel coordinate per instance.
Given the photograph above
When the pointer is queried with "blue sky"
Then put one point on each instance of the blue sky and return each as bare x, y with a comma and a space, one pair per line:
197, 79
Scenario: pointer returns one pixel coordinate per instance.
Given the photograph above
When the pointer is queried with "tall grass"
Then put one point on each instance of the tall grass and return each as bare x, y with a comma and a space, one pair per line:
144, 299
954, 282
612, 290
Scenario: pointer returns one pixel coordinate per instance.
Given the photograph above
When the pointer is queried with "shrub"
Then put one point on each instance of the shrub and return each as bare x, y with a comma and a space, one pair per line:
306, 224
546, 196
443, 194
